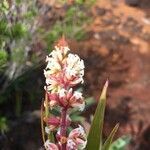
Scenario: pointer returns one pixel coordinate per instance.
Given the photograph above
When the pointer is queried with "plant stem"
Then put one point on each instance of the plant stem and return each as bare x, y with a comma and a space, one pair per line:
47, 114
46, 107
42, 123
63, 126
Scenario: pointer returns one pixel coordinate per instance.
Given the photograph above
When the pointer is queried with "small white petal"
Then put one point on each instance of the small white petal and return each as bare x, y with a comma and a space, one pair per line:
78, 95
62, 93
47, 130
70, 144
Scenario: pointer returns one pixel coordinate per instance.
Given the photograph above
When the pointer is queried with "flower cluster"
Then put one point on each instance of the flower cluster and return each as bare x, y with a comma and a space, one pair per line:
76, 140
63, 72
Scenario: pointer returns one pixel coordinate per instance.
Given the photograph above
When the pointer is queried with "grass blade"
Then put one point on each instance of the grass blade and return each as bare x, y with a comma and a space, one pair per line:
108, 142
95, 134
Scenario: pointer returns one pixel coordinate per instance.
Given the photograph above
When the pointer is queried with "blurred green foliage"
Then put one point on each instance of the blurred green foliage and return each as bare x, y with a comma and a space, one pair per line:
3, 59
18, 30
17, 26
3, 125
4, 6
73, 23
21, 66
121, 143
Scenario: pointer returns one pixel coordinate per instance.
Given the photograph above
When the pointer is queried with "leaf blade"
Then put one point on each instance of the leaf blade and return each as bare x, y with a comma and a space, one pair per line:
95, 134
108, 142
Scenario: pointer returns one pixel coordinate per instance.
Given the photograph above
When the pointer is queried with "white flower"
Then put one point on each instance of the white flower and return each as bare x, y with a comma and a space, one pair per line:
77, 139
62, 69
80, 106
54, 61
57, 55
81, 130
52, 83
77, 132
71, 145
53, 65
77, 101
77, 94
53, 88
71, 99
47, 130
74, 67
50, 146
63, 50
62, 93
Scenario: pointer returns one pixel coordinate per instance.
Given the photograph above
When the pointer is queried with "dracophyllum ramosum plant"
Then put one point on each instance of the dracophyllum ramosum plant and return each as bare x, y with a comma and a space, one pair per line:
64, 71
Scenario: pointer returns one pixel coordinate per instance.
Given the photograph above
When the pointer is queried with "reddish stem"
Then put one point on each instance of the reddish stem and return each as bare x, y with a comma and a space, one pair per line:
63, 126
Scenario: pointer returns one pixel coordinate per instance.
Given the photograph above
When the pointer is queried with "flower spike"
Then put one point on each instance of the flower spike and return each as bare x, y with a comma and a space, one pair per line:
63, 72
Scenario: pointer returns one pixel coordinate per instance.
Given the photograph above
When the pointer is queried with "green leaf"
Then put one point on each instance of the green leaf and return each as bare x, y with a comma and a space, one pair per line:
3, 125
4, 30
19, 30
81, 2
121, 143
5, 4
47, 114
108, 142
3, 57
4, 7
95, 133
76, 118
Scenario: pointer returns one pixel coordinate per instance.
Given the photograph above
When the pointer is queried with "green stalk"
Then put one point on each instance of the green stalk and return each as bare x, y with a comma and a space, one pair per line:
42, 123
47, 114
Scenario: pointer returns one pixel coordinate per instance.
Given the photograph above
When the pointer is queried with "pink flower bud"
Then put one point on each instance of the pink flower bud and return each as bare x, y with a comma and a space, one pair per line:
53, 121
62, 42
67, 98
77, 139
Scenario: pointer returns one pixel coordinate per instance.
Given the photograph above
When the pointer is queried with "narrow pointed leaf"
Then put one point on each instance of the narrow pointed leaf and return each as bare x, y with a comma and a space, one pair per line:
45, 114
108, 142
95, 133
42, 123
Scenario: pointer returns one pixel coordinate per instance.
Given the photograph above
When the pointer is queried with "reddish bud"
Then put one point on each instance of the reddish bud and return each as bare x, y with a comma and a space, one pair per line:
62, 42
